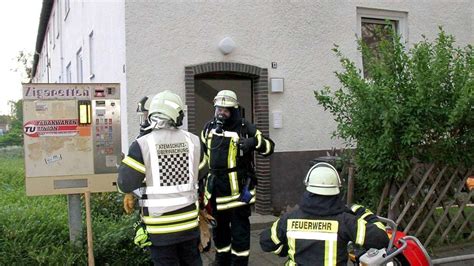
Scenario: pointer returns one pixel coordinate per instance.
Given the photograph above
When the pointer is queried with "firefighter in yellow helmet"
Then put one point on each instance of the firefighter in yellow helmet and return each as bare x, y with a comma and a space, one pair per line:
228, 143
163, 165
143, 107
319, 231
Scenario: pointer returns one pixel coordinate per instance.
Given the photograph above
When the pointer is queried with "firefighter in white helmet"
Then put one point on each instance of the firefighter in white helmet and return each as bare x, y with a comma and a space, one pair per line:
318, 232
228, 143
164, 166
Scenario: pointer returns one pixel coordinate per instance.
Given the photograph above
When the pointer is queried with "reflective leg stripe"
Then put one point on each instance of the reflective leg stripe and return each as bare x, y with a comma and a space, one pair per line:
173, 218
231, 198
360, 237
245, 253
278, 250
330, 252
258, 135
274, 236
234, 204
231, 163
291, 251
132, 163
172, 228
223, 250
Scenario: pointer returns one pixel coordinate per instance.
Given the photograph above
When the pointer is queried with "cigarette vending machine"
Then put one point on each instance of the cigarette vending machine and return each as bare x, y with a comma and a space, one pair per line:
72, 137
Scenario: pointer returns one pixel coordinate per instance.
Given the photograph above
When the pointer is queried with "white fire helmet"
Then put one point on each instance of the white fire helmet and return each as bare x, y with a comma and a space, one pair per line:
323, 179
167, 105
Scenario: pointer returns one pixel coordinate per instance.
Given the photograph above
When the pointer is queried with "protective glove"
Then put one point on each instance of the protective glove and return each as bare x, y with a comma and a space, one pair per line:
245, 196
141, 236
247, 145
128, 203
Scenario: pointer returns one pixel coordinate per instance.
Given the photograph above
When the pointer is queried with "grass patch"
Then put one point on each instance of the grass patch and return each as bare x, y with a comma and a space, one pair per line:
35, 230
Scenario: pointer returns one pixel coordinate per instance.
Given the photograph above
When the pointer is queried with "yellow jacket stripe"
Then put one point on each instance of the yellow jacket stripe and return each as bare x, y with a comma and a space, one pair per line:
231, 198
132, 163
233, 204
278, 251
258, 135
380, 225
203, 162
355, 207
360, 237
173, 228
330, 252
275, 238
231, 163
166, 219
268, 148
291, 251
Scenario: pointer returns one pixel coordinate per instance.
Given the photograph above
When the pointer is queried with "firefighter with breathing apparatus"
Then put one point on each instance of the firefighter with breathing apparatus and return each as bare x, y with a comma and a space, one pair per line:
228, 142
163, 166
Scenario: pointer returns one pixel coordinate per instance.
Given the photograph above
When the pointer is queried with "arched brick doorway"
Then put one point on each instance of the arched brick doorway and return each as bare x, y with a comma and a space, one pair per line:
259, 78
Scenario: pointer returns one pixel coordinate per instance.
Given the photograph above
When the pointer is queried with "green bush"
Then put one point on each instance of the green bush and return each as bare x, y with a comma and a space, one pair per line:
417, 103
35, 230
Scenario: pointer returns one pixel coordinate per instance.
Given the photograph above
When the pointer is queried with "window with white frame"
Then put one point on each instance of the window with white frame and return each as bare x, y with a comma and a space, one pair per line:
91, 55
68, 73
375, 25
79, 65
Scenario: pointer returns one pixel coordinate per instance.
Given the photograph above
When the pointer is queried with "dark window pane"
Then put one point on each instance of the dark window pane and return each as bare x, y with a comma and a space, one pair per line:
373, 32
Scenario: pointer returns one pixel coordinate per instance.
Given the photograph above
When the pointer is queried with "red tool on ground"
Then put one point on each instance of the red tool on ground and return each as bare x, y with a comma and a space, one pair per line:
402, 250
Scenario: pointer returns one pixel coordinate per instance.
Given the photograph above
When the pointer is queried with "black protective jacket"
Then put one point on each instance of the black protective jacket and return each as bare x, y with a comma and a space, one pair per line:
230, 165
318, 232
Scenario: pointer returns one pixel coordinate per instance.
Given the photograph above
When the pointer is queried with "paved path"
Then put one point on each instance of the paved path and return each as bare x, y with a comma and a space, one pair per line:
257, 256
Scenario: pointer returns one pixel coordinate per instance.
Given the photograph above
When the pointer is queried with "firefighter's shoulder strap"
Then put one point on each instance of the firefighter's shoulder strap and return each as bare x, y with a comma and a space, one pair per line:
208, 128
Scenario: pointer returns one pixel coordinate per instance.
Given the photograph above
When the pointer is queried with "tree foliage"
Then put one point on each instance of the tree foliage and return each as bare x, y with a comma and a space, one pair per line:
417, 103
24, 62
14, 137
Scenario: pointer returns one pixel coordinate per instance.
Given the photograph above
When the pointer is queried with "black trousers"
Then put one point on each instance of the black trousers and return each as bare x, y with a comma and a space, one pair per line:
184, 253
232, 236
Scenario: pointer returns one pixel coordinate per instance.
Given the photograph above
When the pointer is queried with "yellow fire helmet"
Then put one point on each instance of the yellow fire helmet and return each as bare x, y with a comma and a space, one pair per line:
226, 98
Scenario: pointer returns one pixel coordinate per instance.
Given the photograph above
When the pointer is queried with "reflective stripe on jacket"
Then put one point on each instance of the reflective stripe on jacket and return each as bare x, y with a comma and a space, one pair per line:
229, 166
311, 239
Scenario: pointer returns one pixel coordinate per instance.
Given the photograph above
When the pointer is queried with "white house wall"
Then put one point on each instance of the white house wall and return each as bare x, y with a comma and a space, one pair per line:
107, 22
165, 36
